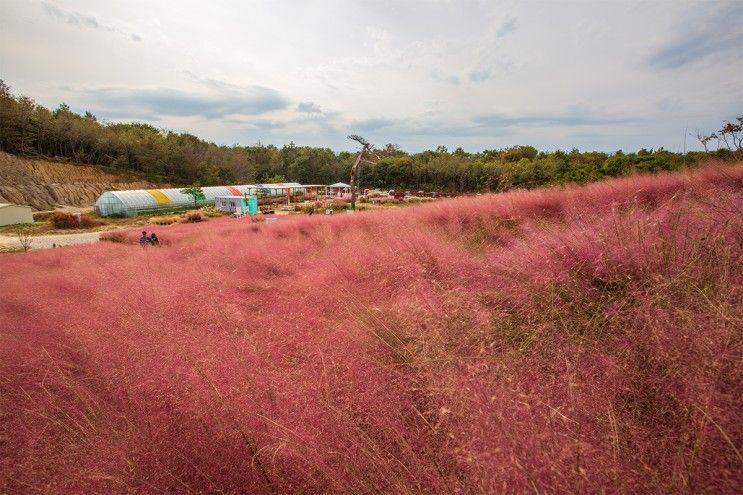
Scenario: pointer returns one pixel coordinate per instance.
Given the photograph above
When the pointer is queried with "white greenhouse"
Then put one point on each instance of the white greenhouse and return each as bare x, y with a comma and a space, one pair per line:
133, 202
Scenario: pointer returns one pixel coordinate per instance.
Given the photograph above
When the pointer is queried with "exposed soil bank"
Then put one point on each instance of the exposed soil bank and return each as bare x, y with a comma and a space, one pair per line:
46, 185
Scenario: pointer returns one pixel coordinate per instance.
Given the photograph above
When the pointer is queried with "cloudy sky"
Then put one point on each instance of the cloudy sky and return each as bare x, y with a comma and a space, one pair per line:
480, 74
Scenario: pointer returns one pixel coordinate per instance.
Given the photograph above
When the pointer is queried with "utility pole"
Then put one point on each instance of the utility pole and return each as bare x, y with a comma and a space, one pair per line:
365, 146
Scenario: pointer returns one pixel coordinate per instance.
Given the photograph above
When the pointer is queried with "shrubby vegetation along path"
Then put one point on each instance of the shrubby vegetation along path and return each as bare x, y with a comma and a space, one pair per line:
578, 340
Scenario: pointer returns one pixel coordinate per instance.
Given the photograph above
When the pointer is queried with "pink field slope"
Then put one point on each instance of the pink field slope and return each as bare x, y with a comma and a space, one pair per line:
585, 339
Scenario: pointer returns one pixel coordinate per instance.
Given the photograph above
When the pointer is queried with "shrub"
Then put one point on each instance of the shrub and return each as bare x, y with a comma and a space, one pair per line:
62, 220
118, 236
210, 211
25, 239
164, 220
42, 215
338, 205
193, 217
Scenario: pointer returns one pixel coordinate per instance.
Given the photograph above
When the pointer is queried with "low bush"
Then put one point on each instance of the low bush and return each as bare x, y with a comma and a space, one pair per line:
65, 220
42, 215
338, 205
165, 219
193, 217
210, 211
62, 220
417, 199
118, 237
11, 249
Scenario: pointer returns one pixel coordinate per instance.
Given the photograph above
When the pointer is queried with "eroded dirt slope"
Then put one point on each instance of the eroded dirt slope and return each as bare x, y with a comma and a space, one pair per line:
45, 185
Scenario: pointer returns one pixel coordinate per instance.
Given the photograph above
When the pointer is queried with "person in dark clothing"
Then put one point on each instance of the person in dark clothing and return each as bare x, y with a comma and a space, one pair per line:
154, 240
145, 240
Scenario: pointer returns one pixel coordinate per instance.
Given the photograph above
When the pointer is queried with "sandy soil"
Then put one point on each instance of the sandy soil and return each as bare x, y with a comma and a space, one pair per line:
70, 209
49, 241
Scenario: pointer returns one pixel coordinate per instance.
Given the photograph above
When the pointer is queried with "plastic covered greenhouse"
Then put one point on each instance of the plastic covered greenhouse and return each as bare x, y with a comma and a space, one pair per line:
131, 203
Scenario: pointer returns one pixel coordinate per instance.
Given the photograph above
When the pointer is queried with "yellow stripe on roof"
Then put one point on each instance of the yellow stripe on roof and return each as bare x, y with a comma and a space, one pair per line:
159, 196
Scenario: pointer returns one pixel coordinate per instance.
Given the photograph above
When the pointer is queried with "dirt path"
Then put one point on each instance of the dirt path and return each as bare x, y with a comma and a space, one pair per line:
48, 241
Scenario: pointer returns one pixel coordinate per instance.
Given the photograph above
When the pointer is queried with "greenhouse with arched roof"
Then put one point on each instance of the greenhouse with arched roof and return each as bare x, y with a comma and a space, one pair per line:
134, 202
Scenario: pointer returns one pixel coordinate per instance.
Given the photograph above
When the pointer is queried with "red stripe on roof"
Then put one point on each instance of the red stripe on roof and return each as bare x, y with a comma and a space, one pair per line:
234, 191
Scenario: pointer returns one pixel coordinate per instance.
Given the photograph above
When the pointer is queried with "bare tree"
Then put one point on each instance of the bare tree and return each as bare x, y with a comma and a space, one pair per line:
704, 139
365, 147
731, 134
24, 237
731, 130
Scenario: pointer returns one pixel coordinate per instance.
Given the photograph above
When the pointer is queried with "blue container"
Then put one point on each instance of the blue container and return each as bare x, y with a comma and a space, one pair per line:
252, 205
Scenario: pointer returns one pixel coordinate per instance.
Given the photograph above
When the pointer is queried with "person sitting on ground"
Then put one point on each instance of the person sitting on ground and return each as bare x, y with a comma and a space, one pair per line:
144, 240
154, 239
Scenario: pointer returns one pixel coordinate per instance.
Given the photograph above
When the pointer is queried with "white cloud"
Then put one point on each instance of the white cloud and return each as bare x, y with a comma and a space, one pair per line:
500, 72
308, 107
77, 19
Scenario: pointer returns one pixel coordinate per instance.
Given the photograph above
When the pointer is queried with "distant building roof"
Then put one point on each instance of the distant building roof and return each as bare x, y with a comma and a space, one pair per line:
280, 185
339, 184
3, 205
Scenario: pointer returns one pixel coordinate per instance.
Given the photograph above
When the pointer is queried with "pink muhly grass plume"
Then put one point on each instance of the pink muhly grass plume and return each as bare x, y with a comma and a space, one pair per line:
576, 339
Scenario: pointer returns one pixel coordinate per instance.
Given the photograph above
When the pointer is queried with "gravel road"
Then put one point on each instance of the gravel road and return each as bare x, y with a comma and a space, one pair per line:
47, 241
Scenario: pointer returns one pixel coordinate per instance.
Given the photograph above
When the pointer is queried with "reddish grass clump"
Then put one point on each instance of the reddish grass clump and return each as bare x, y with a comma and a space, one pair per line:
585, 339
62, 220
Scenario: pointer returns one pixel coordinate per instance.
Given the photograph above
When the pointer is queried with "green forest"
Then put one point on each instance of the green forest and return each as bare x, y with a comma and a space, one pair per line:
29, 129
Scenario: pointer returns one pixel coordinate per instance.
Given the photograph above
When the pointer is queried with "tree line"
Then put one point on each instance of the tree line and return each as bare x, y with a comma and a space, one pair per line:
30, 129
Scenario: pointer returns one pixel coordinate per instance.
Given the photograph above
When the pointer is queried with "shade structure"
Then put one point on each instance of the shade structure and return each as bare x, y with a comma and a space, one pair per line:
133, 202
280, 189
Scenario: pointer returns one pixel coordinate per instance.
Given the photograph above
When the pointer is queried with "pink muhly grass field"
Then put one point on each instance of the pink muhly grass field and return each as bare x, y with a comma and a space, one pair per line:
581, 339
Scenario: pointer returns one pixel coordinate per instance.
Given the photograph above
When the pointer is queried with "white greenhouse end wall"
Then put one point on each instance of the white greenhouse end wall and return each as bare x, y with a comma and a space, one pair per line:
15, 214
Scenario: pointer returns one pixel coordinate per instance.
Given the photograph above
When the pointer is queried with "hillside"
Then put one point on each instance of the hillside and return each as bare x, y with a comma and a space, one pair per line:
45, 184
581, 340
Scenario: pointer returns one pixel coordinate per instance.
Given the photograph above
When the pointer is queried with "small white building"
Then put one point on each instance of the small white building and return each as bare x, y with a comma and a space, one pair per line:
15, 214
230, 204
